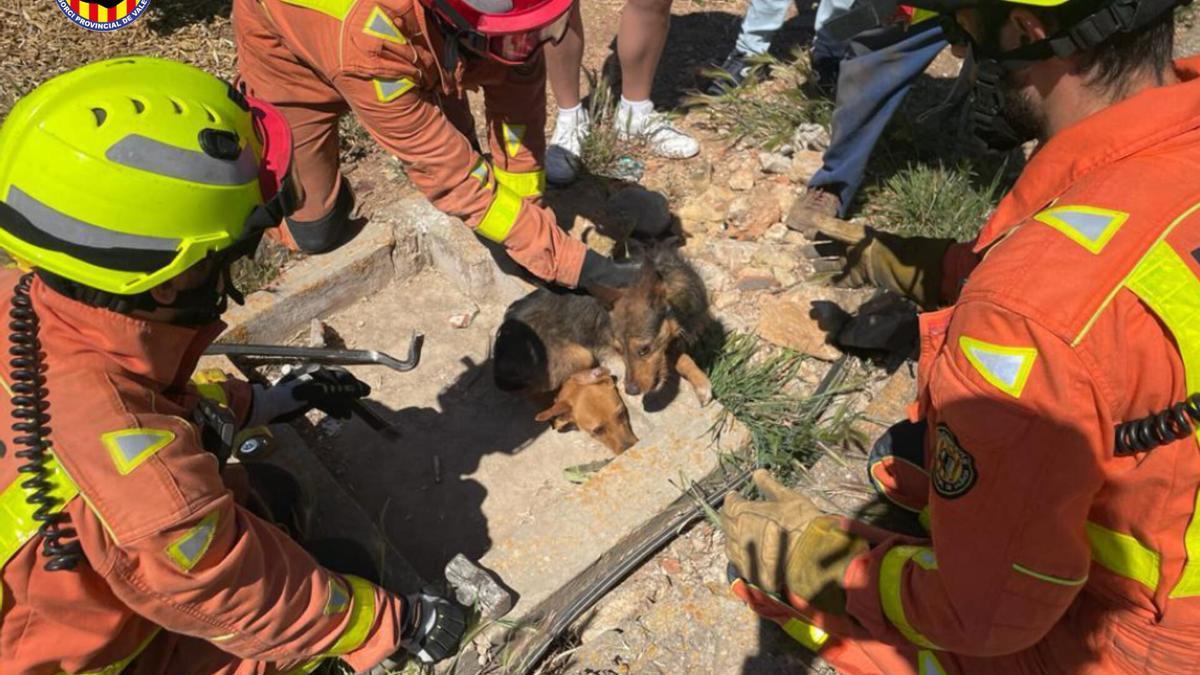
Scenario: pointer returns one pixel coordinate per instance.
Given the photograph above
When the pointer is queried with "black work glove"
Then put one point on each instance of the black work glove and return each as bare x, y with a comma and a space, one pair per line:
604, 272
433, 627
329, 389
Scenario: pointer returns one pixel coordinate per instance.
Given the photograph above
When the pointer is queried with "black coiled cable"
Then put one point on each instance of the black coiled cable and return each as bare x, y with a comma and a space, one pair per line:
30, 418
1178, 421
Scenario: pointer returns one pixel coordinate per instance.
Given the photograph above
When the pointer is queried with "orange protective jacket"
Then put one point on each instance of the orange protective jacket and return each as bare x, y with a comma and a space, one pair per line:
176, 573
381, 59
1048, 552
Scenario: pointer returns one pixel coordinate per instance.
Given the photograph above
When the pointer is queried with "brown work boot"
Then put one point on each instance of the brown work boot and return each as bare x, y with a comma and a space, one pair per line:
814, 202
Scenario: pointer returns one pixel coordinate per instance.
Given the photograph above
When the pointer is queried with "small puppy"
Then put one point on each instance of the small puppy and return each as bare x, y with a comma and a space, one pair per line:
551, 342
589, 400
657, 320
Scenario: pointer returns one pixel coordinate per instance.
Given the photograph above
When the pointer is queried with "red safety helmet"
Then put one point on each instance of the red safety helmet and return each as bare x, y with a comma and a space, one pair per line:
508, 31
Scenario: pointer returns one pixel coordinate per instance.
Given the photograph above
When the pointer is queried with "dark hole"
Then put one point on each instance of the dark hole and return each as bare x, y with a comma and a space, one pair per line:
138, 106
101, 114
178, 108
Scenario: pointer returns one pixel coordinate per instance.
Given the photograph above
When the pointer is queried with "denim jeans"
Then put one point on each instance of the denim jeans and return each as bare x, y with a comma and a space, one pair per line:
764, 18
876, 74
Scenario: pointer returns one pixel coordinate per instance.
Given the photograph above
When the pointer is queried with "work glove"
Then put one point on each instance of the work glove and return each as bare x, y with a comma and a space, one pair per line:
331, 390
858, 256
760, 535
432, 630
604, 272
786, 546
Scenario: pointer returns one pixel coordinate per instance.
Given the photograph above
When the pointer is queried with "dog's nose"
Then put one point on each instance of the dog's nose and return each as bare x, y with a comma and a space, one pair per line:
631, 388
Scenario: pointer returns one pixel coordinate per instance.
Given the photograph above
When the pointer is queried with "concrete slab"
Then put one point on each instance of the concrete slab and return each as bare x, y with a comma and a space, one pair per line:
314, 287
473, 473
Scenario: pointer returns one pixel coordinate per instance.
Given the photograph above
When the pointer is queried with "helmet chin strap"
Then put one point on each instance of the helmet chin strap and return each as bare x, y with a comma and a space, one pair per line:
994, 65
197, 306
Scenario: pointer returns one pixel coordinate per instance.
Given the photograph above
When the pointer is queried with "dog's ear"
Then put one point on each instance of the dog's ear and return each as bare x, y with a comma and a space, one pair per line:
607, 296
559, 409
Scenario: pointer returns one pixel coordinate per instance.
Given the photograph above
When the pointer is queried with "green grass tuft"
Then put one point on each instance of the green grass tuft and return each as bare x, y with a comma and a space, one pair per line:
933, 201
788, 429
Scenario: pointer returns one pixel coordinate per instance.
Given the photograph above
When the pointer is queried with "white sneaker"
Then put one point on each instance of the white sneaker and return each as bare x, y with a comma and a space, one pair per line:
657, 132
562, 156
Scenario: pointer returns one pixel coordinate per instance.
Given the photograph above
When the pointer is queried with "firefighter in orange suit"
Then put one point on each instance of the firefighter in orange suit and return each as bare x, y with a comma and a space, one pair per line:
403, 68
1060, 393
121, 549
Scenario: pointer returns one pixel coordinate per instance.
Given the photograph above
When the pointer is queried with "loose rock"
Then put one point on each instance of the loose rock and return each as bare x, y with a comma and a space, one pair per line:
774, 162
711, 206
316, 334
805, 163
741, 180
755, 279
463, 320
795, 322
810, 136
750, 215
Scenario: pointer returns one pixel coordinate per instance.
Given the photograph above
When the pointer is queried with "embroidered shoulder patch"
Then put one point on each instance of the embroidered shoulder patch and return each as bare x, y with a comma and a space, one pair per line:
954, 471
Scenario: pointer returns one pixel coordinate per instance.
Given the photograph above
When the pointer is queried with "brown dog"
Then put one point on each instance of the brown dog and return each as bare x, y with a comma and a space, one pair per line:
551, 342
589, 400
657, 320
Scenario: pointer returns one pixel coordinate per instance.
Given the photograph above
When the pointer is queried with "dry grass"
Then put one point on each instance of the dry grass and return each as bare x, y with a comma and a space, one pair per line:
762, 112
38, 41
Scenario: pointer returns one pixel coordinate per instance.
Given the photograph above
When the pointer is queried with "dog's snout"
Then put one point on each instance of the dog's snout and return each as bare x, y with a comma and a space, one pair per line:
631, 388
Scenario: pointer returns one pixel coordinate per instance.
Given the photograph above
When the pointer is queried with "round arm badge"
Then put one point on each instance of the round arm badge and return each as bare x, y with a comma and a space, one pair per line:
103, 15
953, 467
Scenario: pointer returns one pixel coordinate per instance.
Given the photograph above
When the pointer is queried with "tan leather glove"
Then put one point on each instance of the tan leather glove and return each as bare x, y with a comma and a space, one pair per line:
761, 536
858, 255
818, 563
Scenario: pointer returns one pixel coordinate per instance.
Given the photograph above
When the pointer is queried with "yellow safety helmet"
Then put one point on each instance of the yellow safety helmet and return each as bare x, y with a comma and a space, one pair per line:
122, 174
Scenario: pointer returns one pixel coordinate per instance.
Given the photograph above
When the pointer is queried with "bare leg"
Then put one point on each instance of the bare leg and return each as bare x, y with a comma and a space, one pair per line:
563, 63
689, 371
640, 41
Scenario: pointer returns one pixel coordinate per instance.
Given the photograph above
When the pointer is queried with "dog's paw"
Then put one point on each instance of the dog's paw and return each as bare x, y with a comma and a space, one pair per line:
703, 394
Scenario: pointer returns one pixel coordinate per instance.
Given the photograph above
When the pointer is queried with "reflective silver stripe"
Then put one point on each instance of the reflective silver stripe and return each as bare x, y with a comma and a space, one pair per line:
65, 228
147, 154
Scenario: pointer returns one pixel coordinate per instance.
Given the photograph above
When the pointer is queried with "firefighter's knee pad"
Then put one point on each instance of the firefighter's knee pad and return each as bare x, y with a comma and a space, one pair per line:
330, 230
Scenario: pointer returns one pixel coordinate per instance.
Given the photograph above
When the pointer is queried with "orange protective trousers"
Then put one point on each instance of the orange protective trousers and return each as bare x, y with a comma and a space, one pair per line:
318, 59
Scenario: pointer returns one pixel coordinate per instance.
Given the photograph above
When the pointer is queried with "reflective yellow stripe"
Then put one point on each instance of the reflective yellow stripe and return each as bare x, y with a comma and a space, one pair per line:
1164, 282
806, 634
1113, 293
208, 384
528, 184
17, 525
501, 215
1049, 578
338, 9
1124, 555
891, 575
362, 617
188, 549
119, 666
128, 448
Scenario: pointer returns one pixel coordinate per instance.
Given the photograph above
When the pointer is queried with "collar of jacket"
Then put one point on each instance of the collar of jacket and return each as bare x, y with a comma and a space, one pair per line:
161, 355
1150, 117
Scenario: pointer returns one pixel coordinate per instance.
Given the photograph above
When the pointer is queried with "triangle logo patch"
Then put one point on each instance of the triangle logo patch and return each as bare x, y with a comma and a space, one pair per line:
1089, 226
1006, 368
380, 26
513, 135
